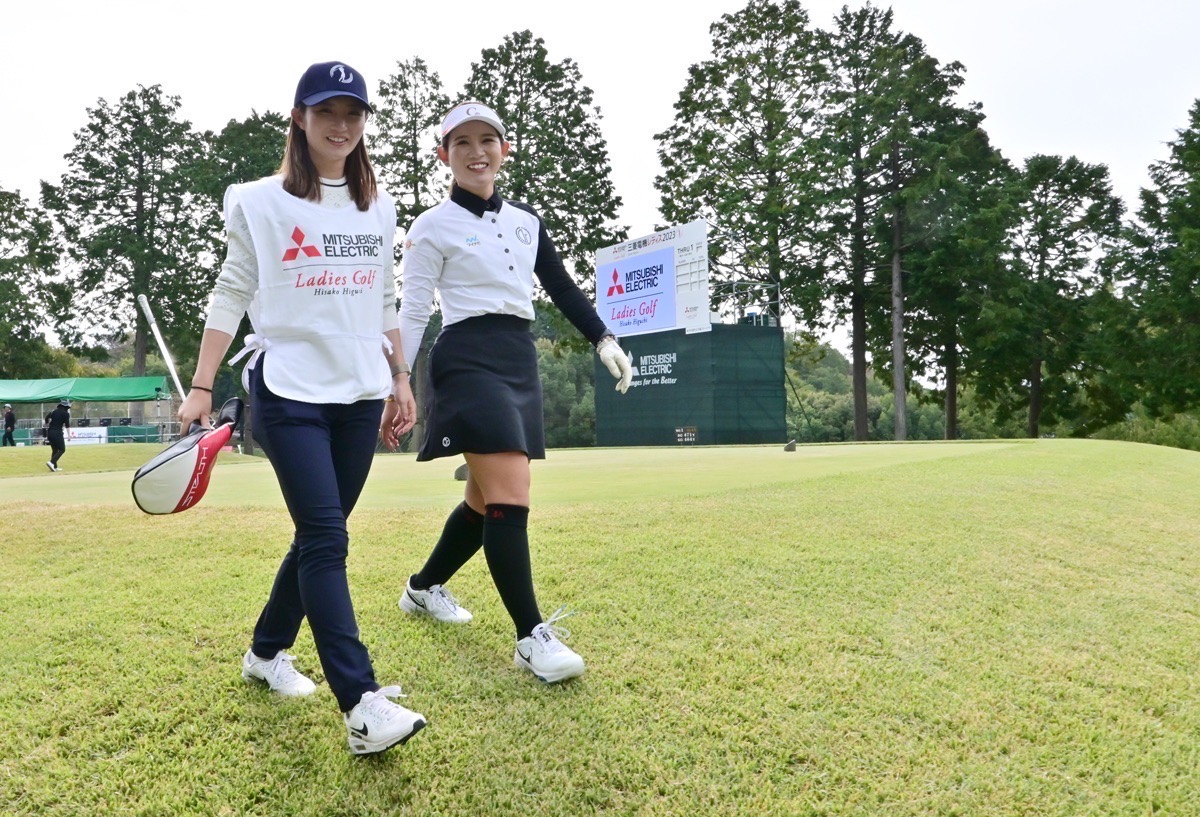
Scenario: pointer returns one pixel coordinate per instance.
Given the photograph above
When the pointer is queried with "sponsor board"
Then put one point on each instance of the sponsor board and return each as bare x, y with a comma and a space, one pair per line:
87, 436
655, 283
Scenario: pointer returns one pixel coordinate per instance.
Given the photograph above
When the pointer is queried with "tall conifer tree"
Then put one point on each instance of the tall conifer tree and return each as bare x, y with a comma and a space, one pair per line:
739, 155
130, 221
1165, 273
1033, 329
408, 110
27, 259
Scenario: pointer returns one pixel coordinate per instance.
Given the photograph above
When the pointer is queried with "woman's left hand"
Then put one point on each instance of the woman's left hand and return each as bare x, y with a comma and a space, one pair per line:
404, 412
386, 433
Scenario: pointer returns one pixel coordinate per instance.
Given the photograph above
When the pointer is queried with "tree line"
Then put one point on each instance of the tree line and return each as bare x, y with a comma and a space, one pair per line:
844, 182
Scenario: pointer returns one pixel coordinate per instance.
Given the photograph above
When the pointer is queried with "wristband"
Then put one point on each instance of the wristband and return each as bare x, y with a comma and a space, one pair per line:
398, 368
604, 341
202, 388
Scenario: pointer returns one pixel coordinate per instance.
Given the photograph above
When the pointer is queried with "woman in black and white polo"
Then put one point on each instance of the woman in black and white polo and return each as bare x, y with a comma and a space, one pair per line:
310, 258
481, 253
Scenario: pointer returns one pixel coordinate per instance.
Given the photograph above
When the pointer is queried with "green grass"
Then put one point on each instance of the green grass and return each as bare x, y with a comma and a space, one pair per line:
1007, 628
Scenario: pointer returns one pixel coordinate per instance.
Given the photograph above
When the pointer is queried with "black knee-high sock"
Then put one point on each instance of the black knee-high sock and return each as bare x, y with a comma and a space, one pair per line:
461, 538
506, 547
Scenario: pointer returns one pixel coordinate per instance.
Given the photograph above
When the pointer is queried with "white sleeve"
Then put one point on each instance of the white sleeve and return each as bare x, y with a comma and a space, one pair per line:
390, 319
420, 272
238, 279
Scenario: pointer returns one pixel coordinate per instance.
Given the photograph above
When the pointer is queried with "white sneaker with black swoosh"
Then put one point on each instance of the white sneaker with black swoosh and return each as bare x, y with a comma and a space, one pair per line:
376, 724
543, 654
436, 602
278, 673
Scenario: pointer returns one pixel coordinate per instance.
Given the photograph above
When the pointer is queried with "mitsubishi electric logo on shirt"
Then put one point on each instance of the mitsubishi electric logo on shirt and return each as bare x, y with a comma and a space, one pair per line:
359, 245
343, 279
335, 245
308, 249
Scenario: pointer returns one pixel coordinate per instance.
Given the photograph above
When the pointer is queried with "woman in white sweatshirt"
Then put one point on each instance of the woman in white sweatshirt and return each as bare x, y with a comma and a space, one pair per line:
310, 259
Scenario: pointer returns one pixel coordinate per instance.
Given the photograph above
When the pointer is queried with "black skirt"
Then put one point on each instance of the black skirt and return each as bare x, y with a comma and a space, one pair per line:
484, 395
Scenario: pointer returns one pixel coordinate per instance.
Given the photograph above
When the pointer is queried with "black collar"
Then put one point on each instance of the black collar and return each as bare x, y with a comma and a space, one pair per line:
469, 201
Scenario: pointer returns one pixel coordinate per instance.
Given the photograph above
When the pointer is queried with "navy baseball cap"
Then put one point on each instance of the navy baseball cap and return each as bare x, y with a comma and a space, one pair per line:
326, 80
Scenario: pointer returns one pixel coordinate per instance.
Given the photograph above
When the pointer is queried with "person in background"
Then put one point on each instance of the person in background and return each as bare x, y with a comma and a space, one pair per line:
10, 424
310, 258
481, 254
57, 421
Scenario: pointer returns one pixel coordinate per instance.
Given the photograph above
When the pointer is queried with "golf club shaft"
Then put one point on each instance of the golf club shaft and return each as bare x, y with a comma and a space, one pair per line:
162, 346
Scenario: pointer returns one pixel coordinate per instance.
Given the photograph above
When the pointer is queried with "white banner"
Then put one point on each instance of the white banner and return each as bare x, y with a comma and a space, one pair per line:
655, 283
86, 436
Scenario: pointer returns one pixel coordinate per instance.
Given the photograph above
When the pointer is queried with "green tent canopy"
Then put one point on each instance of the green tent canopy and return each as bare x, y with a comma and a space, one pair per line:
84, 389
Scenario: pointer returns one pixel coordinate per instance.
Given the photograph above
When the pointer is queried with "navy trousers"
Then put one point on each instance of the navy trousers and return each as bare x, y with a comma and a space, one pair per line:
321, 454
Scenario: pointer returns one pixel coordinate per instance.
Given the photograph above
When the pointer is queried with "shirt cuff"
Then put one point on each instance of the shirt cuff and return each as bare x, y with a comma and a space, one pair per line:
223, 320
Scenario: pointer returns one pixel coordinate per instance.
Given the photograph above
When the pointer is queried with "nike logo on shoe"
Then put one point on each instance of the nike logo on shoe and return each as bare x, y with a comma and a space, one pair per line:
415, 600
360, 731
523, 655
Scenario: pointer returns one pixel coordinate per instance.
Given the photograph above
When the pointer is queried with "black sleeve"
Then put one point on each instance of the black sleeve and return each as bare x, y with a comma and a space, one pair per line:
562, 289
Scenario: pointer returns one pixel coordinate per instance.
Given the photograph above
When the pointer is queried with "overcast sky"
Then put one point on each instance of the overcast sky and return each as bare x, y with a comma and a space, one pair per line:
1107, 81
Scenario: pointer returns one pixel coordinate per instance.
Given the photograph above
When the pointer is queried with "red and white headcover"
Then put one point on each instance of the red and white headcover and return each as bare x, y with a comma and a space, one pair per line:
177, 477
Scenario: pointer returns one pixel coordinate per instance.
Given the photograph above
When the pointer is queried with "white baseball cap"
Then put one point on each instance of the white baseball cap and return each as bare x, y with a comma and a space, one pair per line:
471, 112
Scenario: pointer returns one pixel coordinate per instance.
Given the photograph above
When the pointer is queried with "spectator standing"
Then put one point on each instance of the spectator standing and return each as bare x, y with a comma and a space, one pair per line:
57, 422
10, 423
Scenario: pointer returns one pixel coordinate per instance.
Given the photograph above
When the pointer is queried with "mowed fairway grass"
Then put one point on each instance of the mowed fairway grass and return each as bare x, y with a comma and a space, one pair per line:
1002, 628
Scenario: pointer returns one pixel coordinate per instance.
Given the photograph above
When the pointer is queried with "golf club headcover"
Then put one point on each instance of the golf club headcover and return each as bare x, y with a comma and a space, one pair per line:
178, 476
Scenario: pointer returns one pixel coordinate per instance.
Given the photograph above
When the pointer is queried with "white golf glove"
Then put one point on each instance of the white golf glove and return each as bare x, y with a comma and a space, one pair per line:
612, 356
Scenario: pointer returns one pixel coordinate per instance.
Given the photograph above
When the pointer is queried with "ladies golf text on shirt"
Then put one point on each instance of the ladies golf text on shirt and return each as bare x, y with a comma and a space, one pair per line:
359, 245
327, 283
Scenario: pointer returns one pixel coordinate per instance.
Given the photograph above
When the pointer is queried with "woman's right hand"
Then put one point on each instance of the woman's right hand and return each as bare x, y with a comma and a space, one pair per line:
196, 407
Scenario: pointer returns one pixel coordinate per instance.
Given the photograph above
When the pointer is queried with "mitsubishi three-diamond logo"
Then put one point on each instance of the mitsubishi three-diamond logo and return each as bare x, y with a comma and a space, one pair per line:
615, 289
301, 247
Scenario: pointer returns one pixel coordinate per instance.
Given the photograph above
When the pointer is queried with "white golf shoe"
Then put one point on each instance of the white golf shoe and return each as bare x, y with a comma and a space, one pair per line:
376, 724
435, 602
543, 654
278, 673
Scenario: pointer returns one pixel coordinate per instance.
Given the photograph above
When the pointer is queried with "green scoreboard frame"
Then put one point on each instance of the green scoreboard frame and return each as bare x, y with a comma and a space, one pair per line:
721, 387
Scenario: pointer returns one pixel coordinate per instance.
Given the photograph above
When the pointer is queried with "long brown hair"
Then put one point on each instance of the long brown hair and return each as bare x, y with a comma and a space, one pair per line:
300, 177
